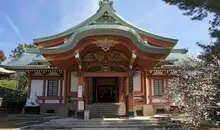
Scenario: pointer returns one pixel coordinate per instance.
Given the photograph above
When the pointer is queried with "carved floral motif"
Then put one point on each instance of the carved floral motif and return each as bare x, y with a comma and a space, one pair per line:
109, 56
105, 42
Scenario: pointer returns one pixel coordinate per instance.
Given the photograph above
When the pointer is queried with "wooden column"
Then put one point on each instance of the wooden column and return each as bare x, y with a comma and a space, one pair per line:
86, 90
90, 90
65, 86
80, 99
145, 88
131, 94
44, 91
61, 90
150, 91
121, 89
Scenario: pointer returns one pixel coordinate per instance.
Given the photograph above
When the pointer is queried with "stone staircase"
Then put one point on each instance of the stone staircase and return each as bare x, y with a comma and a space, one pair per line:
140, 124
109, 110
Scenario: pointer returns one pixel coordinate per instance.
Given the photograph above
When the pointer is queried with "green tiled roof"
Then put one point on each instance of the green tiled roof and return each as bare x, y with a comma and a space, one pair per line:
96, 30
177, 56
105, 7
26, 61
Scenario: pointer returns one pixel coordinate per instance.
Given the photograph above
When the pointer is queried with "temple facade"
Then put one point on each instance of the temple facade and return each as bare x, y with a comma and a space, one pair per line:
103, 60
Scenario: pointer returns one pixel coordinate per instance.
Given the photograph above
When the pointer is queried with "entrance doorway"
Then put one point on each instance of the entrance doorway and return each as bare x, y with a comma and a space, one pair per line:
106, 93
105, 90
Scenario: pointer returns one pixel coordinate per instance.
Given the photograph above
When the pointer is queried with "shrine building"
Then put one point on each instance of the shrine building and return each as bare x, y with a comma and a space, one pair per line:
104, 64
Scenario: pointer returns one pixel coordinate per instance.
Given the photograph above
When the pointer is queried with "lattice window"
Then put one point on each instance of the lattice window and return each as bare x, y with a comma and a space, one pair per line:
158, 87
52, 88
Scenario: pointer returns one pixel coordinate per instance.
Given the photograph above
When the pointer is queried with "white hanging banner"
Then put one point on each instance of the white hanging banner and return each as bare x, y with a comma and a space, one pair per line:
81, 105
79, 91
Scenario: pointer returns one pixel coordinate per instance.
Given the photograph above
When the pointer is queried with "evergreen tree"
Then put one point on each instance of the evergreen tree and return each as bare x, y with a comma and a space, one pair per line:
207, 66
17, 52
21, 77
200, 9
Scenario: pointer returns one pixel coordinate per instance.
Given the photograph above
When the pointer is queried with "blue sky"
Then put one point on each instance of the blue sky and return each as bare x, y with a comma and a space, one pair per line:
23, 20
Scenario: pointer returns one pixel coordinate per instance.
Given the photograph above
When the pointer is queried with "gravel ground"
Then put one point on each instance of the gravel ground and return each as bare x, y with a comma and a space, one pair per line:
16, 121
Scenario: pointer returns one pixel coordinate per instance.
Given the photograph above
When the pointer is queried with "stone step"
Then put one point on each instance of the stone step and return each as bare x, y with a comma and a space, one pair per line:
120, 121
69, 123
104, 123
102, 126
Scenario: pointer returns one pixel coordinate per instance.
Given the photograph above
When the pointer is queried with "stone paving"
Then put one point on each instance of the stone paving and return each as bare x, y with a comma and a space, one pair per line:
105, 129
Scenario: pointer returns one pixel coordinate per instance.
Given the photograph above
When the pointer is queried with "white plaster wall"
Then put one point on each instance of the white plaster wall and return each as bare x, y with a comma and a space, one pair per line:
52, 101
137, 82
74, 82
36, 86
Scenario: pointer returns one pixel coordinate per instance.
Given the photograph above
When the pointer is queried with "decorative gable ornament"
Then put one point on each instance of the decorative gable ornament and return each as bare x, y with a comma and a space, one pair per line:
105, 43
106, 18
106, 2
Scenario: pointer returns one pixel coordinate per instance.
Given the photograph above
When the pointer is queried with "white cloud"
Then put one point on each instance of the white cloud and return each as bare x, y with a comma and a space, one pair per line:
71, 16
14, 27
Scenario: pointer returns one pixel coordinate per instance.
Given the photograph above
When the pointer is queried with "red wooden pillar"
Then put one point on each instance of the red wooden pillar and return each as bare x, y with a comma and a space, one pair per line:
65, 86
86, 89
80, 99
121, 88
90, 90
150, 91
131, 94
61, 90
44, 91
144, 85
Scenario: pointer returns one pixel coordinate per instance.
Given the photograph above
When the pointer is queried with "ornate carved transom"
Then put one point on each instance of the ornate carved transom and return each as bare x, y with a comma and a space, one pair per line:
105, 69
105, 56
105, 42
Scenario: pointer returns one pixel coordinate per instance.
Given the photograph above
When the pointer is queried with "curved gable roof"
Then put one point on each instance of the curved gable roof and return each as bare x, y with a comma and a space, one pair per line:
105, 6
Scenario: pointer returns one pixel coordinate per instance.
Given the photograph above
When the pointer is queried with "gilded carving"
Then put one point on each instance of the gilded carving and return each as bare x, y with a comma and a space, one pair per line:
106, 42
116, 56
109, 56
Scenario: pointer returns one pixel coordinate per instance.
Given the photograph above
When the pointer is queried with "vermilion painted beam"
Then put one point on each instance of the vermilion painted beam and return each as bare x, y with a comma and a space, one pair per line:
105, 74
109, 63
47, 78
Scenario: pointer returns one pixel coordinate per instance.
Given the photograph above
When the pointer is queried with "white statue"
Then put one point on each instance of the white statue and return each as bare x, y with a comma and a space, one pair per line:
32, 101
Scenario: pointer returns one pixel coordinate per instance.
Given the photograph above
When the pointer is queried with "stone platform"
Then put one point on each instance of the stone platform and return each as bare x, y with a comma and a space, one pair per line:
107, 124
